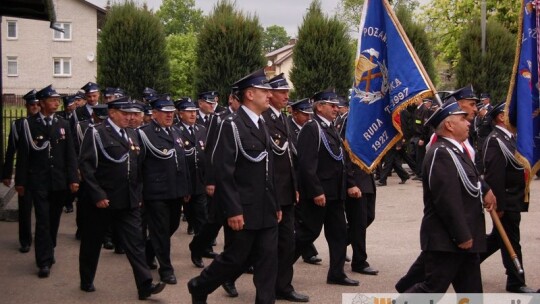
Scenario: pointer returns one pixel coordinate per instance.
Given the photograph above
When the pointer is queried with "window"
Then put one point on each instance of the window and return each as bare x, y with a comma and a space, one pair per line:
62, 67
66, 27
12, 29
12, 66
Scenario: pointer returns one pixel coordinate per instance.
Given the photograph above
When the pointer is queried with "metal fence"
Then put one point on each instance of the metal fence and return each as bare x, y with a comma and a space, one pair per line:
13, 108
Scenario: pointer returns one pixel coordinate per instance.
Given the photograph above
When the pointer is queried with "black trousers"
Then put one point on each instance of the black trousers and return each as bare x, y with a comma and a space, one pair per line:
163, 217
461, 269
285, 250
202, 241
128, 224
309, 252
414, 275
25, 220
360, 214
420, 154
48, 209
311, 219
392, 160
196, 212
242, 246
510, 222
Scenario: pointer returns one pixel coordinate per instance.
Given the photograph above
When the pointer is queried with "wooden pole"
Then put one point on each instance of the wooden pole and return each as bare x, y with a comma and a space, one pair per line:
506, 241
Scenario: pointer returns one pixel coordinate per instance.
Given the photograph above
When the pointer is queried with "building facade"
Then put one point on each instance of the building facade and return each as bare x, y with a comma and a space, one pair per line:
35, 55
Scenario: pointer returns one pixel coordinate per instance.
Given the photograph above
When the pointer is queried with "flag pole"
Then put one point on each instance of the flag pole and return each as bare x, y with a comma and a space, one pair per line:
401, 31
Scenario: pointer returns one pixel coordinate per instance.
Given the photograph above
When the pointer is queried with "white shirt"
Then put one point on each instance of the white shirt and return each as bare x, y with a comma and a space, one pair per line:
254, 117
43, 118
202, 115
117, 129
455, 142
278, 113
505, 131
187, 127
90, 109
324, 120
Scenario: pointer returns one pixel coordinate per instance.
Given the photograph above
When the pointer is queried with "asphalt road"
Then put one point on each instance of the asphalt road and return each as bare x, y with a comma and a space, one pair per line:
393, 244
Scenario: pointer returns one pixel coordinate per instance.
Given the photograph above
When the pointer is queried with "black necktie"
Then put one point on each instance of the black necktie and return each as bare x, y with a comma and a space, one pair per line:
260, 124
123, 134
47, 121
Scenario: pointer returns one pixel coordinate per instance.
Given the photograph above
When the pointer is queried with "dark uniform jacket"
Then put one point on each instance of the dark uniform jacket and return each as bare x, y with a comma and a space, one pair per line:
201, 121
163, 179
105, 175
82, 113
285, 183
244, 186
451, 215
79, 130
319, 172
52, 168
355, 175
194, 146
503, 173
13, 140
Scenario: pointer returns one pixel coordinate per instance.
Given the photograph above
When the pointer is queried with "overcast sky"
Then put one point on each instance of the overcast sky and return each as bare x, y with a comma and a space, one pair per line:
286, 13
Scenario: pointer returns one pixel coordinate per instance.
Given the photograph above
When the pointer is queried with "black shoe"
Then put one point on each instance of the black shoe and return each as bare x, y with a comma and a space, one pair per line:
380, 184
151, 263
153, 289
348, 259
314, 260
24, 249
344, 281
108, 245
68, 209
197, 261
230, 289
88, 287
170, 279
250, 270
190, 230
292, 296
196, 298
119, 250
521, 289
209, 254
365, 270
404, 180
44, 272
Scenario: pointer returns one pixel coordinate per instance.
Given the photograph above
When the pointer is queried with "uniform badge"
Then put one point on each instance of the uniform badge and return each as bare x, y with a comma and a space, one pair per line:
186, 143
276, 141
273, 116
181, 128
324, 124
201, 143
39, 137
165, 151
63, 133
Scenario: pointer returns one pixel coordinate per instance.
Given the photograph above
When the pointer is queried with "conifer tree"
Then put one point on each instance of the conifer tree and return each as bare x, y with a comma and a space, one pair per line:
489, 73
229, 47
322, 56
131, 50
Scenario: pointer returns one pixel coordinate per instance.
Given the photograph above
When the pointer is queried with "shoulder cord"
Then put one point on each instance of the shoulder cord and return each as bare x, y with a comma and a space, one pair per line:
97, 138
46, 144
322, 137
80, 134
15, 132
474, 191
509, 156
238, 142
279, 150
155, 151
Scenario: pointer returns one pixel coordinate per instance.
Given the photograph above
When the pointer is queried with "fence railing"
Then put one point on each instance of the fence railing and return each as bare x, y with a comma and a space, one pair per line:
13, 108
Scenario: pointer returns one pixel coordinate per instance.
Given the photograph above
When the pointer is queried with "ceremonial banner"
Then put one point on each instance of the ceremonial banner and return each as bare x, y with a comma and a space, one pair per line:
522, 101
388, 77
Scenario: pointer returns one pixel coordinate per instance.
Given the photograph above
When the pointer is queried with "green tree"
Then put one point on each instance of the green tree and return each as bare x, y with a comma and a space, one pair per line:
322, 56
447, 25
181, 52
180, 16
491, 72
350, 12
229, 46
418, 37
274, 37
131, 52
